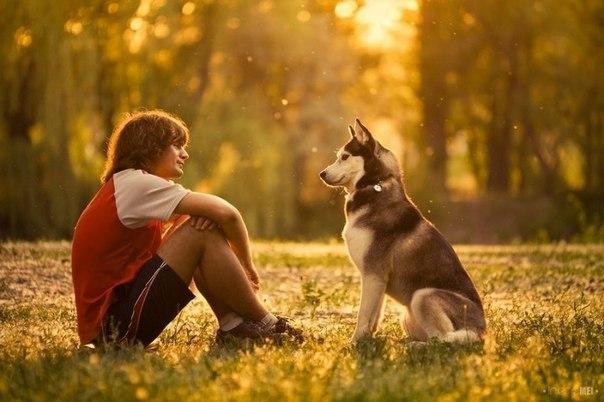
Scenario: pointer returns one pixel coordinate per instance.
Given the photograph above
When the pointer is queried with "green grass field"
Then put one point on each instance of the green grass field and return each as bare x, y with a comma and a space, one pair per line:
544, 308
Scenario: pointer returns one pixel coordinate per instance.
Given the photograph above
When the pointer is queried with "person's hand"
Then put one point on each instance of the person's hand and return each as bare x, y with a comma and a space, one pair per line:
252, 275
202, 223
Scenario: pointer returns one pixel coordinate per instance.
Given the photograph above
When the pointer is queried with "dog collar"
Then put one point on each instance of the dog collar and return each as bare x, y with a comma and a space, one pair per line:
376, 187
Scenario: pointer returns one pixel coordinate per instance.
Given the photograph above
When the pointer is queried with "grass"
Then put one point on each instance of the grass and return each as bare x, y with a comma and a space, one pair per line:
543, 303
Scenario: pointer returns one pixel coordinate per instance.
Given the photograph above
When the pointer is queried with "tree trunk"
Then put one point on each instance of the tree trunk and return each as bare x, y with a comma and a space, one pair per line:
206, 46
500, 139
433, 92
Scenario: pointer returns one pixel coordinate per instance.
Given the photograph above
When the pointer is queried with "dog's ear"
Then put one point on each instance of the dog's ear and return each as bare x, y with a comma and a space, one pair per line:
363, 135
352, 133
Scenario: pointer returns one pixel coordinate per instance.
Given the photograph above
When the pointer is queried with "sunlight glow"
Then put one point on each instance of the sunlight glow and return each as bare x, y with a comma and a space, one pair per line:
144, 8
265, 6
73, 27
23, 37
161, 29
303, 16
346, 8
112, 8
233, 23
188, 8
381, 19
136, 23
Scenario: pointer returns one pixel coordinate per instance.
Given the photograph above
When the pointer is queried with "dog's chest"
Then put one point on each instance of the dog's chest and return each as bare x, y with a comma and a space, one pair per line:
358, 238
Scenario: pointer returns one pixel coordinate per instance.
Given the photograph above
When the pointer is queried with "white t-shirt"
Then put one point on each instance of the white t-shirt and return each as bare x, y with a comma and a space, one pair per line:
141, 197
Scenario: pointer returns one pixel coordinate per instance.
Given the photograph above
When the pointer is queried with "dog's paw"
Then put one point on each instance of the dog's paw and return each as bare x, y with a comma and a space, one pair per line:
416, 344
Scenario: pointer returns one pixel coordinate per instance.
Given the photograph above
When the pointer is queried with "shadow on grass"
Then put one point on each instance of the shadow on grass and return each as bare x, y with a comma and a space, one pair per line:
435, 352
388, 351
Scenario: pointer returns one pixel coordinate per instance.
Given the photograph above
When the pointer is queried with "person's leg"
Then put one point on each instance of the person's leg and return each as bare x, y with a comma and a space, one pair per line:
227, 318
208, 256
146, 305
219, 308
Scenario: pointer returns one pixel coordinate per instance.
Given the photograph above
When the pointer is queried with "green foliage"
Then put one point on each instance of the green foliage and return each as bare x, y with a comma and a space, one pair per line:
545, 339
311, 295
474, 96
506, 77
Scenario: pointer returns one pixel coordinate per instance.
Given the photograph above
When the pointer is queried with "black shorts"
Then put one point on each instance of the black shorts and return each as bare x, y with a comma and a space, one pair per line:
146, 305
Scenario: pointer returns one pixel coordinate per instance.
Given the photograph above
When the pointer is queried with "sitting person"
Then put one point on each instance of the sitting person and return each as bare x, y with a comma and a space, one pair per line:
131, 278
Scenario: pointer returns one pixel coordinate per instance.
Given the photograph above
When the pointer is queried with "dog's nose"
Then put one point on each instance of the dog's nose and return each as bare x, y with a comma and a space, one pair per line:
323, 174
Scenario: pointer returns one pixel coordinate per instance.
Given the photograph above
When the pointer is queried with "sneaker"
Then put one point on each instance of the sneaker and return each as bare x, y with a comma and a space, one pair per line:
282, 327
248, 330
245, 330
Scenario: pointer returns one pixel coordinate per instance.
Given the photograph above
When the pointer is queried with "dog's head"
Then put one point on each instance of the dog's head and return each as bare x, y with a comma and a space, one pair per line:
362, 161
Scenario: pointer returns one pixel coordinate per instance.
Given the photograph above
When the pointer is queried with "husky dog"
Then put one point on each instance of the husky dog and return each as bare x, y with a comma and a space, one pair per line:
398, 251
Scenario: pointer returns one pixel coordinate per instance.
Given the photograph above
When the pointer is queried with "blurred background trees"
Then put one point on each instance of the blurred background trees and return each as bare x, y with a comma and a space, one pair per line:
495, 109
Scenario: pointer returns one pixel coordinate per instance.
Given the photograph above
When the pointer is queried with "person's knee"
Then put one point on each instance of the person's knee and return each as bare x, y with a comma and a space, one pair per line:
186, 236
204, 237
185, 247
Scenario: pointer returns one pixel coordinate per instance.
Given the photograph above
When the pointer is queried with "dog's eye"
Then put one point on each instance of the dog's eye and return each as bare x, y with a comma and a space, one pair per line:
345, 156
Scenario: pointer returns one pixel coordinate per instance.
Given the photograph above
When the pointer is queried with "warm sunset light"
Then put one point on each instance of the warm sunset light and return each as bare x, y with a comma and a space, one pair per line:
318, 200
346, 8
379, 19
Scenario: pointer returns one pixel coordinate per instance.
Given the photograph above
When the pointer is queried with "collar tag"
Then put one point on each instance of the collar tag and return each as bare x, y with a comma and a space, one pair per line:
377, 188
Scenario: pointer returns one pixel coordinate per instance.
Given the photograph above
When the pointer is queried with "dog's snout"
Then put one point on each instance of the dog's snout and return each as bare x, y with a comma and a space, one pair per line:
323, 174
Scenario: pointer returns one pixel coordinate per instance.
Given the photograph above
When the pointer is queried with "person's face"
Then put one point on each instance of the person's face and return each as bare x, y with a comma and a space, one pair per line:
171, 163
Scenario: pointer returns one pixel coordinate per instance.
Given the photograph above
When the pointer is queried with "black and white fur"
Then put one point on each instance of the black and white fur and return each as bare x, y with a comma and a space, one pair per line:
398, 251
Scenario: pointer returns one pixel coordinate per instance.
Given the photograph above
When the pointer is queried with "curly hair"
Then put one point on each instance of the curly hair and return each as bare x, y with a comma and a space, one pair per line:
139, 140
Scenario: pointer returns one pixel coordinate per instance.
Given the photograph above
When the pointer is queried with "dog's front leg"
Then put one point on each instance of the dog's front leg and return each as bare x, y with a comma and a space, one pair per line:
372, 298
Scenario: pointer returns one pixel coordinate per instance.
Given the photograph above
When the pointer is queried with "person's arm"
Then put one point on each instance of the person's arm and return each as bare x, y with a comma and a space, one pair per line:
172, 223
229, 219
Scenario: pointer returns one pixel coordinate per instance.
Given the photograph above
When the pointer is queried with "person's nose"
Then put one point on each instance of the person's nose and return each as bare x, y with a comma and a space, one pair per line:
184, 154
